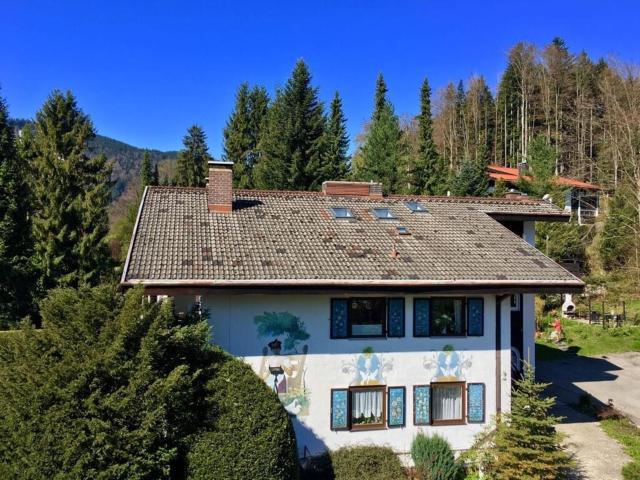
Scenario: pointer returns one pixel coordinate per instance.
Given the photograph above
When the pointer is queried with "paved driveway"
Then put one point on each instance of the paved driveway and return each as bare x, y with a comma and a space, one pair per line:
613, 377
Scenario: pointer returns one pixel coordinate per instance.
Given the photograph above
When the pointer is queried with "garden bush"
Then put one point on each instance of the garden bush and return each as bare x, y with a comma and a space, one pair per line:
252, 437
434, 459
356, 463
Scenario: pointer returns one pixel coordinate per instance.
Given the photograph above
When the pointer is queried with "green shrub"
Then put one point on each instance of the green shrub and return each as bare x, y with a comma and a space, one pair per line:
252, 437
356, 463
434, 458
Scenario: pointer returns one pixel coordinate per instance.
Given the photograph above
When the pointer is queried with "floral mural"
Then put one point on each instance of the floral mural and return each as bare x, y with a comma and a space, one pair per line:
448, 365
283, 361
367, 368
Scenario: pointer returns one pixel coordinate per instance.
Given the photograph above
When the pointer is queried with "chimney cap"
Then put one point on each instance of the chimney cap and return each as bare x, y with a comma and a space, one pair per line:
219, 163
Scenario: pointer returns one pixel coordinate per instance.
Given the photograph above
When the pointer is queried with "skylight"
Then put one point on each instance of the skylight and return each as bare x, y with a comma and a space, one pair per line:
341, 212
402, 230
383, 213
415, 206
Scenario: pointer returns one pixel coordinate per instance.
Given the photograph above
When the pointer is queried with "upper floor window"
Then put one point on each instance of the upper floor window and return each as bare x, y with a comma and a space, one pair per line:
383, 213
367, 317
447, 317
415, 206
341, 212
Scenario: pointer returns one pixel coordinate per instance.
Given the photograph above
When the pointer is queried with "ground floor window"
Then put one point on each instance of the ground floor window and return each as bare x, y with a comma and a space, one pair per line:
367, 407
448, 403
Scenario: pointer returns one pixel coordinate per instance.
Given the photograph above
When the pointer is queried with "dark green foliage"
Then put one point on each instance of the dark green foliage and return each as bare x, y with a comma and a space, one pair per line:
155, 180
541, 165
16, 246
619, 236
292, 143
147, 174
563, 241
336, 163
253, 437
525, 444
356, 463
471, 180
242, 133
434, 458
192, 162
71, 193
429, 174
383, 152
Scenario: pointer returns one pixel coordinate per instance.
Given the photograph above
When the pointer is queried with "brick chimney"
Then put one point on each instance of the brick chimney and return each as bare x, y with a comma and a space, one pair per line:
220, 187
352, 189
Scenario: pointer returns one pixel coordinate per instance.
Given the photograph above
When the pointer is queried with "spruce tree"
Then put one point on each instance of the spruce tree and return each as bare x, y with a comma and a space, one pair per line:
291, 147
192, 162
156, 175
471, 180
382, 153
146, 173
526, 444
430, 172
336, 160
242, 133
16, 247
71, 194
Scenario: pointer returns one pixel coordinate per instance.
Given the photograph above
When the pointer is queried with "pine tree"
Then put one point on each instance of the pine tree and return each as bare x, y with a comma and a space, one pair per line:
380, 100
242, 133
146, 173
16, 247
71, 193
430, 172
192, 162
291, 146
336, 162
526, 444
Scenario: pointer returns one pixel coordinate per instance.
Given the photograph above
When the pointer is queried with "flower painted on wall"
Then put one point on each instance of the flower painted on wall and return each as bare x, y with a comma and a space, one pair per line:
367, 368
448, 365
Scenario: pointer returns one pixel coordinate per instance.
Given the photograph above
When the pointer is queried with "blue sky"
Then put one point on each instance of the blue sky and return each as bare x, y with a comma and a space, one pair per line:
146, 71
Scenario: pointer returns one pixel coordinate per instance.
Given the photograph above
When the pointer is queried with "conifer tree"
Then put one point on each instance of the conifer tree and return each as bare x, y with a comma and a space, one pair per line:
336, 162
430, 172
242, 133
146, 173
382, 152
192, 162
156, 175
71, 194
16, 280
526, 444
471, 180
291, 146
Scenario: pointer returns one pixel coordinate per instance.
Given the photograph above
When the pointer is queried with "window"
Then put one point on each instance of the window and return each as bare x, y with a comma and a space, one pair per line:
415, 207
402, 230
367, 407
383, 213
447, 317
367, 317
341, 212
447, 404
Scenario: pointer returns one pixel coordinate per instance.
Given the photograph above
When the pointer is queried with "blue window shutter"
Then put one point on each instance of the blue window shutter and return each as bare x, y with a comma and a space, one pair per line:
339, 409
475, 317
396, 406
339, 324
421, 405
421, 313
475, 402
395, 317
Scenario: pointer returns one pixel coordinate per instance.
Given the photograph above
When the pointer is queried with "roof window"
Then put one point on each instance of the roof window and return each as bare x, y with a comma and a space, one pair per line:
383, 213
402, 230
341, 212
415, 207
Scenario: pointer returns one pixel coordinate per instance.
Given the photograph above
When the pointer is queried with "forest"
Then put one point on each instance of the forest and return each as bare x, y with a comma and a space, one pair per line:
560, 112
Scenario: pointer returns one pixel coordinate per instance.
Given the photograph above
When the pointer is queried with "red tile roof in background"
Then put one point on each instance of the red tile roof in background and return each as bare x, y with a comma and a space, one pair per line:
508, 174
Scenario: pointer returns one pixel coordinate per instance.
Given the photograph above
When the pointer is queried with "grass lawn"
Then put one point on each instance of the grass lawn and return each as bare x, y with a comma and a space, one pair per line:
628, 435
588, 340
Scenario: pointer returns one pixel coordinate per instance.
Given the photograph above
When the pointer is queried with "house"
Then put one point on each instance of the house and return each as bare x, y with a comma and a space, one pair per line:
372, 317
582, 199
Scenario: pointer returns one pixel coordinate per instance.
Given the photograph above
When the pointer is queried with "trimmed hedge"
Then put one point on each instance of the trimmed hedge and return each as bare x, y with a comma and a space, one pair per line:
252, 436
356, 463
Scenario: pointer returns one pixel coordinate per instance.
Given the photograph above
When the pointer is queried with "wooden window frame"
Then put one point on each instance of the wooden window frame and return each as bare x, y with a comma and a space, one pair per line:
370, 426
463, 408
464, 317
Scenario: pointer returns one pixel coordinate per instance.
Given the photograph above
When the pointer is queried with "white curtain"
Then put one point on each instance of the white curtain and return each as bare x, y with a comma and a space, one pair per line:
447, 403
367, 404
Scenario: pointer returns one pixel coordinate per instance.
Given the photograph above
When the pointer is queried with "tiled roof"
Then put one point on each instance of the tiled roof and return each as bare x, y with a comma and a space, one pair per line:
292, 238
509, 174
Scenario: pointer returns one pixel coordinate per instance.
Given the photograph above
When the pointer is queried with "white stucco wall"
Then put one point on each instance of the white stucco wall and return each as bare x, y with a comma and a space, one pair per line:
330, 363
